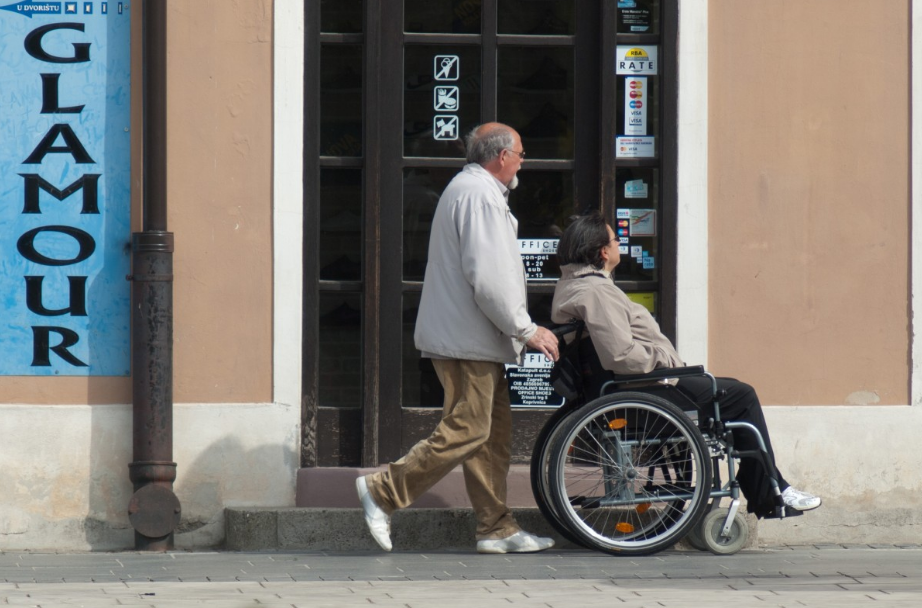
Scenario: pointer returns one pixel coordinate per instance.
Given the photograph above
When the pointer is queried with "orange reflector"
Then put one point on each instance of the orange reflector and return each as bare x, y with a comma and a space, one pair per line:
642, 508
617, 423
624, 528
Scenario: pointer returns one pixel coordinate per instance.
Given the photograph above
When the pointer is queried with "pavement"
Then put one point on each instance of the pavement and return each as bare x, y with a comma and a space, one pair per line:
829, 575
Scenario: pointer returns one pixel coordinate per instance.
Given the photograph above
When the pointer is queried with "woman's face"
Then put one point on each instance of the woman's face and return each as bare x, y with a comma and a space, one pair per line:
611, 255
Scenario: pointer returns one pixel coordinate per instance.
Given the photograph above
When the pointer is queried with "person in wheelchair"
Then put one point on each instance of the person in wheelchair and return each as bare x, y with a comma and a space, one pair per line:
628, 340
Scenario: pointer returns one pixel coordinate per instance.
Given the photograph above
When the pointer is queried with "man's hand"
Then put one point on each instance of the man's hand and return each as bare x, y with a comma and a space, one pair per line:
544, 341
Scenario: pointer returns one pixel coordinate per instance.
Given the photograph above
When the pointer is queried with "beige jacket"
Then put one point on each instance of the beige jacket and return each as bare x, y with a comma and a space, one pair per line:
626, 337
473, 304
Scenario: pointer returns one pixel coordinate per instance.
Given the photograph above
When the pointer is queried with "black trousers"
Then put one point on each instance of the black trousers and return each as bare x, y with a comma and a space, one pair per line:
740, 404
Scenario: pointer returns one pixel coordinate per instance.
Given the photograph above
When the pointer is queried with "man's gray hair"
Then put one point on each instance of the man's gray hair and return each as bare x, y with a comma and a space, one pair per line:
484, 147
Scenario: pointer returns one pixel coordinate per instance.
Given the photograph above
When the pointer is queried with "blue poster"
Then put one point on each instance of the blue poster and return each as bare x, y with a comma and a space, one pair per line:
65, 228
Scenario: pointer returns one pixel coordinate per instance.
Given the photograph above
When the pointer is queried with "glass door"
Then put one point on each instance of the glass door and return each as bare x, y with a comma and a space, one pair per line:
391, 89
534, 66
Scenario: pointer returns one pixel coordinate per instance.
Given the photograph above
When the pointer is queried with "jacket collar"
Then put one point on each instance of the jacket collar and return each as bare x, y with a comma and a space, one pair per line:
476, 169
578, 271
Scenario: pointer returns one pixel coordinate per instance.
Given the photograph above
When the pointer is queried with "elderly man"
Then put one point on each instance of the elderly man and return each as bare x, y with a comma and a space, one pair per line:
472, 320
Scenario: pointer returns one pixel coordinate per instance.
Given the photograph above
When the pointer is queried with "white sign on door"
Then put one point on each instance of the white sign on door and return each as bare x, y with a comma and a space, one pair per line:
447, 67
630, 60
445, 99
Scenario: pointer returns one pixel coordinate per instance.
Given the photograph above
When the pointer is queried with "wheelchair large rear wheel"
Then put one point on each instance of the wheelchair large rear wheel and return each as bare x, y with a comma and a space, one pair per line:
629, 474
540, 459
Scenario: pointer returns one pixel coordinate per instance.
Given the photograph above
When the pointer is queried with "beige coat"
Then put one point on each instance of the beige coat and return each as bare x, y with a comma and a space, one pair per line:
473, 304
626, 337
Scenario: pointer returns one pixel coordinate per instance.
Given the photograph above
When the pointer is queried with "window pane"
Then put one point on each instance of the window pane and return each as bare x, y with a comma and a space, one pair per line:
638, 223
442, 16
341, 224
441, 99
536, 98
341, 100
421, 191
638, 16
537, 17
341, 16
542, 203
340, 350
421, 386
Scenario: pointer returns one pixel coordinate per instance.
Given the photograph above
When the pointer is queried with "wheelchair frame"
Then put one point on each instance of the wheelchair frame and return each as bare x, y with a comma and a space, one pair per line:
614, 455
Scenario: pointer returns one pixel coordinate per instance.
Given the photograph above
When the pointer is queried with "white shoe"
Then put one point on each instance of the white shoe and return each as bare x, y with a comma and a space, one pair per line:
520, 542
379, 524
800, 501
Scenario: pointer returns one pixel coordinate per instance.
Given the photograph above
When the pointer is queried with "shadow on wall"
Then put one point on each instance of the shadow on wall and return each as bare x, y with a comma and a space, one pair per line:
228, 474
106, 526
223, 474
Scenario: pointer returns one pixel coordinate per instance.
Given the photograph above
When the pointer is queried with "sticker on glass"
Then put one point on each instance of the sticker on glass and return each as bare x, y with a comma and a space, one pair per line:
636, 98
649, 262
636, 251
445, 99
447, 67
633, 60
445, 127
535, 255
634, 147
636, 188
643, 222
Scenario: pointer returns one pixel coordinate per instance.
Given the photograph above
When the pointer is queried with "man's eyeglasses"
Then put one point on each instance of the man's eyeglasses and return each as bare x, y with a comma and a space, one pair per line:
521, 154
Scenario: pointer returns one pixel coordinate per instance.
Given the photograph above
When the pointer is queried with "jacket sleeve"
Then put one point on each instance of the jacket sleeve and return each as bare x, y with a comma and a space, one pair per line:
608, 321
492, 265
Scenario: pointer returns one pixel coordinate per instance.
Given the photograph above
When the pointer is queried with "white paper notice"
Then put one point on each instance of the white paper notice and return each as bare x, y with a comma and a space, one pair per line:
636, 188
632, 60
634, 147
635, 105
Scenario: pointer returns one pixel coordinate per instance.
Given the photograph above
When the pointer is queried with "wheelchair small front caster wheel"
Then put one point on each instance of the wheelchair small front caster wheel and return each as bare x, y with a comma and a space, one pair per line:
711, 528
695, 537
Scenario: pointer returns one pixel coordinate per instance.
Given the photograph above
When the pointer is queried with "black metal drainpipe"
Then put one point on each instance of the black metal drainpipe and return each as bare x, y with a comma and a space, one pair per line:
154, 510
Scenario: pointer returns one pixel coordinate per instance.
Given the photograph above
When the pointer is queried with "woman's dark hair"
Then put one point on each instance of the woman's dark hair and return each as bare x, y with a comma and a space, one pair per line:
582, 241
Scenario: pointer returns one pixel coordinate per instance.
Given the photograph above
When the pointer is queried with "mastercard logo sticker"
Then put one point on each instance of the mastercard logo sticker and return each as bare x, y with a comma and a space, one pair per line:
636, 84
636, 94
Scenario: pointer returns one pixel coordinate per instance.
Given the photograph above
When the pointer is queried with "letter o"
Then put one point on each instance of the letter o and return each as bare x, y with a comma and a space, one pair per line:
26, 245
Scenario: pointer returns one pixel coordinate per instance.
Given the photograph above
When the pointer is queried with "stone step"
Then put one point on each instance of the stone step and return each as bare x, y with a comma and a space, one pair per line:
326, 487
343, 529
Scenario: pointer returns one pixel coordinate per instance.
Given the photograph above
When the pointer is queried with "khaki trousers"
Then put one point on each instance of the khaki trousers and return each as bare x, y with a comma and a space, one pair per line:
476, 432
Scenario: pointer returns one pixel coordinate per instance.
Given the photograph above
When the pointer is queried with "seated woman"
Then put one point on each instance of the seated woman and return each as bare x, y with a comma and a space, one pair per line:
628, 341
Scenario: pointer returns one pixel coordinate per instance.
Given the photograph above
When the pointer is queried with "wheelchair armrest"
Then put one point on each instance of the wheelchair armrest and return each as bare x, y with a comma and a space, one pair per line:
659, 374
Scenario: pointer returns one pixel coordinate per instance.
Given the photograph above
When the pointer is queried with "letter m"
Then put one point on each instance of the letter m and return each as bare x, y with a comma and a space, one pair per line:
34, 183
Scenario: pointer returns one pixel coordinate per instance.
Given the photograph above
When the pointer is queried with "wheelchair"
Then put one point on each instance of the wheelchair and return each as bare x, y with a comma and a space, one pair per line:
623, 470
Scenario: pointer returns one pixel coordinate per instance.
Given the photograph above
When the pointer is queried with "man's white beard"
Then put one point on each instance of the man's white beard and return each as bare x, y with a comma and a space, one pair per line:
514, 183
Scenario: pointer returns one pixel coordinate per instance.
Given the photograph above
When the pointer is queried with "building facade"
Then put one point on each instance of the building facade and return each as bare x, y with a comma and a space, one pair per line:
769, 185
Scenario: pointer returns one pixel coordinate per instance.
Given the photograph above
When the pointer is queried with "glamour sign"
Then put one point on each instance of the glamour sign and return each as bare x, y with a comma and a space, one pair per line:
64, 186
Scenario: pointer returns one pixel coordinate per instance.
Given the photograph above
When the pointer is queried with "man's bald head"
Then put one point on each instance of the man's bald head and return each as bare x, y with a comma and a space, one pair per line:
487, 141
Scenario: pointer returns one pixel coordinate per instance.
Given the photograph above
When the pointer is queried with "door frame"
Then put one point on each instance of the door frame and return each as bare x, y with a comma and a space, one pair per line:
379, 236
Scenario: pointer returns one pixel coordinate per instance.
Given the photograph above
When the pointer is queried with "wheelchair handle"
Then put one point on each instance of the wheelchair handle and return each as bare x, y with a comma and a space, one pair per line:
562, 329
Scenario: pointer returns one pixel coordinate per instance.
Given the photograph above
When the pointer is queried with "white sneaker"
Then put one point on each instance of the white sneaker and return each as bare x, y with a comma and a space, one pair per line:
379, 524
520, 542
800, 501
